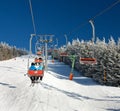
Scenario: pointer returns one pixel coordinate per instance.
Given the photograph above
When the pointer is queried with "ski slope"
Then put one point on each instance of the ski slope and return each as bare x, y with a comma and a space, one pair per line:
55, 93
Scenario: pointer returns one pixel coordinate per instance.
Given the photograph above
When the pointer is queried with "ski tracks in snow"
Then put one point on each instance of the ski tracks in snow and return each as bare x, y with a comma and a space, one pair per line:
54, 93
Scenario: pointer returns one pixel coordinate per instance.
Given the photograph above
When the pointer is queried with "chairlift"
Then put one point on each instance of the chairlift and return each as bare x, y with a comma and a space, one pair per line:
55, 54
88, 57
90, 61
39, 60
39, 52
63, 54
55, 50
36, 73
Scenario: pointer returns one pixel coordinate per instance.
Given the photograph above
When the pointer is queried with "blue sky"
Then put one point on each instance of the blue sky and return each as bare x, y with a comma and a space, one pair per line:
57, 17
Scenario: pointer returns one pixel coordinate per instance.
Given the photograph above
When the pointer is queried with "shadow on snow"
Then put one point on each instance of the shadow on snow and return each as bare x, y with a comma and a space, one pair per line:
113, 109
62, 71
76, 95
8, 85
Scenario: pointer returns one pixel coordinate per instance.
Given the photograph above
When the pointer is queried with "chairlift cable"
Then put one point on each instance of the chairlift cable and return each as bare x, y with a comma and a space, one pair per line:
78, 27
99, 14
106, 9
33, 22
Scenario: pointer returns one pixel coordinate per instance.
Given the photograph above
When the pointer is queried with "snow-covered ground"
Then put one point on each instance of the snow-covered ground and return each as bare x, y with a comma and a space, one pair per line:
55, 93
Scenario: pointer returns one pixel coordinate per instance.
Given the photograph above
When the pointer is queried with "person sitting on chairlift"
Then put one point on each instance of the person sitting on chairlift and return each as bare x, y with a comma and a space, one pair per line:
32, 67
40, 67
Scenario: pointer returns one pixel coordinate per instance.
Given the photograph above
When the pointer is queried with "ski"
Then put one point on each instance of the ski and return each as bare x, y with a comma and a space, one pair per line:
32, 84
35, 82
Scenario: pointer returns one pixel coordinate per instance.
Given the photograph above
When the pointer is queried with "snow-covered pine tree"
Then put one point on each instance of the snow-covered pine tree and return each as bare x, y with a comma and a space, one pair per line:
108, 59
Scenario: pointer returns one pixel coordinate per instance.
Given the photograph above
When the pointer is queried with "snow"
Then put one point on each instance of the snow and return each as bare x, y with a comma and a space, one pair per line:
55, 93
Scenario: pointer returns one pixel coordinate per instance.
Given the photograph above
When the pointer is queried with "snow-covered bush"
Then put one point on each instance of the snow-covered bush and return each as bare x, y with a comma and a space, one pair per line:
107, 55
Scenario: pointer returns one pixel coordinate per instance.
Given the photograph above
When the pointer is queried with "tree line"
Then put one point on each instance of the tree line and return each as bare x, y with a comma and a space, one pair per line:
107, 55
8, 52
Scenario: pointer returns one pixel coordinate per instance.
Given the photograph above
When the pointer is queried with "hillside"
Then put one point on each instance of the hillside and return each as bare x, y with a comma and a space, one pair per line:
55, 93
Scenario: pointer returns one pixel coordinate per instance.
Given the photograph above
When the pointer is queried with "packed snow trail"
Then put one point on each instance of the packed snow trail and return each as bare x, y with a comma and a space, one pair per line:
55, 93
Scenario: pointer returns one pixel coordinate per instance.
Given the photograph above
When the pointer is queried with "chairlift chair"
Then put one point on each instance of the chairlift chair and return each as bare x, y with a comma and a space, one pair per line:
39, 52
90, 61
38, 60
63, 54
88, 57
36, 74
